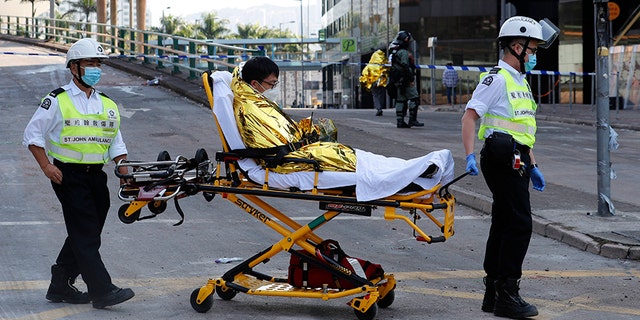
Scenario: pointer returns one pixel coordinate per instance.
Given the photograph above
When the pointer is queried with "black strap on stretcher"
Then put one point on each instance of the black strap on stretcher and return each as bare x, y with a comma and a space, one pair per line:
275, 154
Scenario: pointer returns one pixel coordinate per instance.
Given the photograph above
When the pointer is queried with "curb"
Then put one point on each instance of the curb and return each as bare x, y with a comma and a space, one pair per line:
554, 230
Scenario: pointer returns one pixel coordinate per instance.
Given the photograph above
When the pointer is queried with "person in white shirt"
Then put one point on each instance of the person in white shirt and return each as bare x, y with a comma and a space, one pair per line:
78, 127
504, 103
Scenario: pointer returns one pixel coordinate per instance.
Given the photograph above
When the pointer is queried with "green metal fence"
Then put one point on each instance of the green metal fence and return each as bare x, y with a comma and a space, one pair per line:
183, 55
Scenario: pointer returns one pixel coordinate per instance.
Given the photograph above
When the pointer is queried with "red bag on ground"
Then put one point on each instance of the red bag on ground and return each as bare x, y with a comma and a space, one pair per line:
303, 272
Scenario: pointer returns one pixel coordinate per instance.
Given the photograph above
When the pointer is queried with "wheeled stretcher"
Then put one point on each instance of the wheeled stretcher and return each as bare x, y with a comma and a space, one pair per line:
153, 183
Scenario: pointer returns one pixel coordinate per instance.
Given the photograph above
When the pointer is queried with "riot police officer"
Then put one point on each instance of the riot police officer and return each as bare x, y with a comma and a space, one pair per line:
402, 75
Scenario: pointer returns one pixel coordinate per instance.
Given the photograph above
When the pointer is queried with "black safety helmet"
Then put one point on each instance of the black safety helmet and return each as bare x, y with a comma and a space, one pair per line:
403, 39
404, 36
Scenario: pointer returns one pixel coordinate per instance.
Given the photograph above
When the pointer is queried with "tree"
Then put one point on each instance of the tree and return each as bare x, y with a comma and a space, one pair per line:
85, 7
213, 27
171, 24
256, 31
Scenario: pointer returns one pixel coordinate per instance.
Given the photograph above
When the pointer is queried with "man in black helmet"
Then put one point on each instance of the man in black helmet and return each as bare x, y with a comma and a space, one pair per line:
402, 75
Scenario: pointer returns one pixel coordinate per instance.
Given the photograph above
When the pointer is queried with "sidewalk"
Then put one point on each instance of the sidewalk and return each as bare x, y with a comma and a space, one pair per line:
614, 237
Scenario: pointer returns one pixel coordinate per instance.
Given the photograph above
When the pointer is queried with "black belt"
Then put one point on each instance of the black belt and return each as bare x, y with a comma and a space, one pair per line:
79, 167
501, 135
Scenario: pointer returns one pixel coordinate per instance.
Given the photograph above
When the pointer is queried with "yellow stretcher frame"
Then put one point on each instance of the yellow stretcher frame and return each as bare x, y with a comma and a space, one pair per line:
177, 180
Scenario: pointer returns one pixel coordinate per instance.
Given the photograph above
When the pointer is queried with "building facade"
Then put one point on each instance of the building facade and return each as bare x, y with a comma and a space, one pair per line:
462, 32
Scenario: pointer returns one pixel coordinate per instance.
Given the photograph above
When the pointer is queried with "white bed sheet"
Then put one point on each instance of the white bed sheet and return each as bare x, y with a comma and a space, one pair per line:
376, 176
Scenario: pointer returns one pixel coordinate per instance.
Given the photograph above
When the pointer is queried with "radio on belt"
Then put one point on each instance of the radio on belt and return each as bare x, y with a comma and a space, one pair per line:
516, 160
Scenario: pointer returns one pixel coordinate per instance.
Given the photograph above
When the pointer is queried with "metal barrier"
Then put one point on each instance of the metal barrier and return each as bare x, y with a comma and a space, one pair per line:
165, 50
559, 87
195, 56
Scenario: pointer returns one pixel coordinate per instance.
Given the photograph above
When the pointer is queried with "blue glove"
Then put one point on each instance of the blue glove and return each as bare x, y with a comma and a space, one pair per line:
472, 167
537, 179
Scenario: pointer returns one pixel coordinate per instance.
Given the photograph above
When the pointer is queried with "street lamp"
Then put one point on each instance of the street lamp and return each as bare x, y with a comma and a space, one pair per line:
164, 23
281, 23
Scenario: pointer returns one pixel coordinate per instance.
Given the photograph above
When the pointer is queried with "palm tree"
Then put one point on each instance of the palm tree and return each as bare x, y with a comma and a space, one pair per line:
171, 24
250, 31
256, 31
85, 7
213, 27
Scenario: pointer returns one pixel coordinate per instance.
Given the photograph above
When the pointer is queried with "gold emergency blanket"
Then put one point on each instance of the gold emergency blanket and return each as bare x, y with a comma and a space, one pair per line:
375, 73
262, 124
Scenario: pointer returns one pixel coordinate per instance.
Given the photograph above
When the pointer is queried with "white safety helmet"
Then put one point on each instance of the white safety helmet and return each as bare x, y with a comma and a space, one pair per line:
86, 48
524, 27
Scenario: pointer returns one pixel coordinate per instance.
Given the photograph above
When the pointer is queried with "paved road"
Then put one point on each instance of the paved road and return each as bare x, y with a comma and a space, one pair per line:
163, 264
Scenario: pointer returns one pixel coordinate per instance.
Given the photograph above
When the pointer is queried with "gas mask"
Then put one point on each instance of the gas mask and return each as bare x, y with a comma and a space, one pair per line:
91, 75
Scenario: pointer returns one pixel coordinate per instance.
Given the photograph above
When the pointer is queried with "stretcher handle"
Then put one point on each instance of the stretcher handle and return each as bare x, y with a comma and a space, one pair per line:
155, 174
446, 186
147, 173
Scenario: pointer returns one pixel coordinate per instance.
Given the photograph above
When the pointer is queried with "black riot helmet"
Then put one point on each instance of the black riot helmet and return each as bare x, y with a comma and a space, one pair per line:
403, 39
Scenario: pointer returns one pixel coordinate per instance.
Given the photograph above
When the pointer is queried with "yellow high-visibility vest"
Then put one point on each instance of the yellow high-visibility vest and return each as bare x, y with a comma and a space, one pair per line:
85, 138
522, 123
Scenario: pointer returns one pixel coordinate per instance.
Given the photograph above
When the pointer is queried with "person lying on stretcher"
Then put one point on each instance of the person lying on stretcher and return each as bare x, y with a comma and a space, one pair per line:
265, 129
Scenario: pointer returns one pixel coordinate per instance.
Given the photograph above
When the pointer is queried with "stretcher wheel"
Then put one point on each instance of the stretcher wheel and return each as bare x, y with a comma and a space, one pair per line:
130, 219
157, 207
203, 307
225, 293
367, 315
201, 156
387, 300
164, 156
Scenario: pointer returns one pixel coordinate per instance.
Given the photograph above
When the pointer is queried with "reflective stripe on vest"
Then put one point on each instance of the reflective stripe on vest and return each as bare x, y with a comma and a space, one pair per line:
522, 123
85, 138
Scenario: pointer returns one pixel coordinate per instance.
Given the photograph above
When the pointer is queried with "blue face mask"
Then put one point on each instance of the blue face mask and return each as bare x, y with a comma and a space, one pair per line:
529, 65
91, 75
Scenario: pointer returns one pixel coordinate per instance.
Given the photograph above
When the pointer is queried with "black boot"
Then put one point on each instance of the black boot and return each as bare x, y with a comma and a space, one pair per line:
489, 300
402, 124
509, 303
61, 288
413, 118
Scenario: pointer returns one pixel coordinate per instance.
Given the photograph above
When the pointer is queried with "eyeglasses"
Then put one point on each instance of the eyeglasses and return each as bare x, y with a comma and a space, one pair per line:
533, 50
272, 84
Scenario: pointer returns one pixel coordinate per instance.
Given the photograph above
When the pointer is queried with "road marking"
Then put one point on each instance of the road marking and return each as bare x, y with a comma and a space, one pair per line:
151, 287
28, 223
199, 221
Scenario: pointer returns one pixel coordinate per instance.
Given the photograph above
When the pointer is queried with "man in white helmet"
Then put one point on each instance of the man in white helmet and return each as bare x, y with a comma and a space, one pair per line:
78, 128
504, 103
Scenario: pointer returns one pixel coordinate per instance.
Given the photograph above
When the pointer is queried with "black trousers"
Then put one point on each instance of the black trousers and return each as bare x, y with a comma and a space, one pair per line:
511, 223
84, 197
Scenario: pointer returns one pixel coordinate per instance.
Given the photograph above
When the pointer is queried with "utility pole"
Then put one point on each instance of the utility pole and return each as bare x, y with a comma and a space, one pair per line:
601, 15
302, 99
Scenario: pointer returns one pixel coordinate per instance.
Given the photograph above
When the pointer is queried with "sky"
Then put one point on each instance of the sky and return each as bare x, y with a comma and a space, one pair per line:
187, 7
